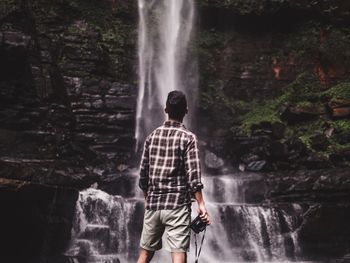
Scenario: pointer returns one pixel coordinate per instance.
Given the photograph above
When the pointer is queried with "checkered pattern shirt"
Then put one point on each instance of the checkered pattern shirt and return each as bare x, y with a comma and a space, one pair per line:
170, 168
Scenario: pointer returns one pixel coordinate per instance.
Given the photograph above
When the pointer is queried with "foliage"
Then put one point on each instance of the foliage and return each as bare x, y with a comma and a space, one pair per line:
260, 113
304, 43
340, 91
247, 6
341, 126
335, 47
261, 7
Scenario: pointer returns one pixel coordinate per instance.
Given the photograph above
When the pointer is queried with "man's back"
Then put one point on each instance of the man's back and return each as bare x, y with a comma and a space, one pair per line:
170, 167
170, 172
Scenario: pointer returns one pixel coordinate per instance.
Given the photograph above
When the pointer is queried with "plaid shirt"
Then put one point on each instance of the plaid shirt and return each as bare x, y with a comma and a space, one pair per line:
170, 167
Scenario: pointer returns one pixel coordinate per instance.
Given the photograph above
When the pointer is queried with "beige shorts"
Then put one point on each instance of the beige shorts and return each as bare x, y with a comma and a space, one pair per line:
174, 223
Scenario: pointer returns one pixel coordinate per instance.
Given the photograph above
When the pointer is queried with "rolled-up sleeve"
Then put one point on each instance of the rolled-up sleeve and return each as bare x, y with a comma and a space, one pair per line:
192, 165
144, 167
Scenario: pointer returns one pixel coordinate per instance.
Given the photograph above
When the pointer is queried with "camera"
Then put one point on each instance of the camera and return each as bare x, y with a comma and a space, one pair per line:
198, 225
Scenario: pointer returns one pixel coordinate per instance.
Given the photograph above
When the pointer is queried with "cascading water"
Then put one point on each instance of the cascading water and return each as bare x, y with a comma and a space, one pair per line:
107, 228
165, 29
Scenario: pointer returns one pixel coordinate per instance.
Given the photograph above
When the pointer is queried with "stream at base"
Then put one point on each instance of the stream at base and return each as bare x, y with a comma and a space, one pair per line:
107, 228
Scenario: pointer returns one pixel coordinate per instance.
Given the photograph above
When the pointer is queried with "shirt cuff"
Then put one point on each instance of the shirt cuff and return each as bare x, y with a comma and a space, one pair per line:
196, 187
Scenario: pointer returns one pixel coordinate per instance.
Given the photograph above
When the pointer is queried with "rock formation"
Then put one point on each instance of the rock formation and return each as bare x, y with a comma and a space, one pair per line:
273, 98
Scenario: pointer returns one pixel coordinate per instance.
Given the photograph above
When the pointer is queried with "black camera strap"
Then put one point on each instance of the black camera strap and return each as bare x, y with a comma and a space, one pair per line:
200, 248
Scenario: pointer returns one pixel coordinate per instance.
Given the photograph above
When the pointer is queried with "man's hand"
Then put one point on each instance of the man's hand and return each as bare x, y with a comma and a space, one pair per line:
202, 212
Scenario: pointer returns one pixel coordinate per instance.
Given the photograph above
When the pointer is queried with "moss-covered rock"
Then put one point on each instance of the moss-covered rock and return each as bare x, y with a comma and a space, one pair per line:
339, 9
8, 6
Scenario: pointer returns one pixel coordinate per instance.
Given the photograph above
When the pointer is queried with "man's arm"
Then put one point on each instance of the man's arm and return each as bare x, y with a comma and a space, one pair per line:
193, 170
202, 211
144, 168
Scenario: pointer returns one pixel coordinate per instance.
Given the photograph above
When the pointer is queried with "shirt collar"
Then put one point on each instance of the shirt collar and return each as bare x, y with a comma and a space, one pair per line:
172, 123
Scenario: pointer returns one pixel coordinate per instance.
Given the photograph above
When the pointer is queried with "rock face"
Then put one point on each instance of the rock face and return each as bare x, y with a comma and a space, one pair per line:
36, 221
67, 103
266, 63
326, 194
273, 98
67, 92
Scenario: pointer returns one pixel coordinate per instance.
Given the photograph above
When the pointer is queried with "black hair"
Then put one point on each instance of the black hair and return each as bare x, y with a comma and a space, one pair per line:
176, 105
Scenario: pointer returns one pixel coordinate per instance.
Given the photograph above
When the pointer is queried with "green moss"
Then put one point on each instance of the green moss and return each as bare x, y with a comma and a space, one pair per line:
341, 126
99, 13
340, 91
260, 113
305, 86
261, 7
338, 148
306, 140
304, 104
305, 131
247, 6
335, 47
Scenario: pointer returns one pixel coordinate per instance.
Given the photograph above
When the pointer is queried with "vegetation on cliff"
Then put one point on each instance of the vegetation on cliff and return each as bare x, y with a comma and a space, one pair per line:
293, 75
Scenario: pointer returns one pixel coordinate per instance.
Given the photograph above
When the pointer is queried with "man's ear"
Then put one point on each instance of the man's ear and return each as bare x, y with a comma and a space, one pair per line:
186, 110
166, 110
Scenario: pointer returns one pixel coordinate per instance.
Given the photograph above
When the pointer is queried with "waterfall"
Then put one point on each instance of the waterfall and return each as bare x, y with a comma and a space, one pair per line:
104, 227
107, 228
165, 29
251, 233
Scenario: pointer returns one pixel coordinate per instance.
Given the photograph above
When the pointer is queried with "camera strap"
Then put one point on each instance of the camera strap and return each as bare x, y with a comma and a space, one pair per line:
200, 248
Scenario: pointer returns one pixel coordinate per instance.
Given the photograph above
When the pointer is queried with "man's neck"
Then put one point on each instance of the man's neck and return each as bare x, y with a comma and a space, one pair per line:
170, 119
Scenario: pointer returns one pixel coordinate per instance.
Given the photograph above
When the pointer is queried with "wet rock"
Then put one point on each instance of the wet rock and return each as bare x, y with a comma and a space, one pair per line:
97, 232
113, 102
329, 132
322, 185
65, 259
296, 148
274, 129
279, 150
296, 114
256, 165
16, 39
323, 226
339, 103
316, 160
248, 158
125, 184
37, 222
212, 161
319, 142
263, 128
341, 112
278, 130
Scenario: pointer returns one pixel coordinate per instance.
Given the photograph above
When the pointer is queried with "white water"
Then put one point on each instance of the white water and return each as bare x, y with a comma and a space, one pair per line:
165, 29
108, 227
101, 228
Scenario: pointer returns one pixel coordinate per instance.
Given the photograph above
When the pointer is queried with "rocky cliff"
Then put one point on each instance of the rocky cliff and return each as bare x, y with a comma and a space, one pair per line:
67, 89
274, 97
274, 78
68, 97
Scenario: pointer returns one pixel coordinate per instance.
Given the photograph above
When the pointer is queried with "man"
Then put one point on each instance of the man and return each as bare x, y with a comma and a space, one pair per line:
170, 174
